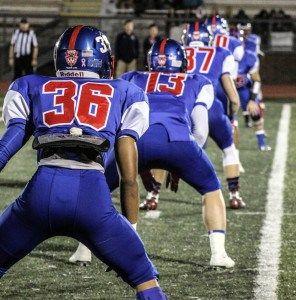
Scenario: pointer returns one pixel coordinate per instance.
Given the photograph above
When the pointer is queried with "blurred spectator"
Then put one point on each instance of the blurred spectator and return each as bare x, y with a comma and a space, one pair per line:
261, 25
242, 16
150, 40
125, 4
192, 3
23, 50
126, 49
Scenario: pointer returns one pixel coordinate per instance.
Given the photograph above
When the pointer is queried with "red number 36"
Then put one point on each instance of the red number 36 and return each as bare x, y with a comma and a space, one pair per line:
91, 108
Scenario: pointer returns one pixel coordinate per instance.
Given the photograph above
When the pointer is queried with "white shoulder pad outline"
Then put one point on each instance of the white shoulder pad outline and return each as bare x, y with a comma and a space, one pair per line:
136, 118
238, 52
206, 95
15, 107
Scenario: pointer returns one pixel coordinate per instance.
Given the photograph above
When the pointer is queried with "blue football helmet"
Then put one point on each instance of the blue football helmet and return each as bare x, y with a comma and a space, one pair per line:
196, 34
217, 25
244, 30
168, 56
84, 48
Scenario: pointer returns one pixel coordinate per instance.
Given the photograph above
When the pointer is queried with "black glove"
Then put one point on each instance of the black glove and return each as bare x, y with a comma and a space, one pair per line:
172, 181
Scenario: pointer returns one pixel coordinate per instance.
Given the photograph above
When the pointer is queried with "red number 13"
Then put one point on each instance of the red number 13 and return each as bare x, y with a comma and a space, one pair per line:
91, 108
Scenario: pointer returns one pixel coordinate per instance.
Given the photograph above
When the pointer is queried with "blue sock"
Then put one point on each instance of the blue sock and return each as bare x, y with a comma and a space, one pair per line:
2, 272
260, 134
155, 293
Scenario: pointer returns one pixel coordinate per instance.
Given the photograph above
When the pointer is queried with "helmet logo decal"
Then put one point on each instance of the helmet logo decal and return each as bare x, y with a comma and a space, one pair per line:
196, 35
161, 59
71, 57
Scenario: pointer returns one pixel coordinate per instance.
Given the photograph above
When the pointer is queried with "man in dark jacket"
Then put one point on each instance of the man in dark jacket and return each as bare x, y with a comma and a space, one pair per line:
126, 49
150, 40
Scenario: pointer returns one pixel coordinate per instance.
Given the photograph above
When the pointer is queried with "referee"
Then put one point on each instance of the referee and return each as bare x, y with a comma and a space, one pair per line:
23, 50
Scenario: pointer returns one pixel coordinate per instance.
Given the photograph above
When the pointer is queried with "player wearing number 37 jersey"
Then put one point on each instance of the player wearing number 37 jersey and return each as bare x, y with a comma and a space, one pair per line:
218, 65
74, 122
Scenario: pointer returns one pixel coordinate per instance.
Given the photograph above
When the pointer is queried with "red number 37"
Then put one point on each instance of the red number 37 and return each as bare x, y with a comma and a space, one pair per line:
89, 105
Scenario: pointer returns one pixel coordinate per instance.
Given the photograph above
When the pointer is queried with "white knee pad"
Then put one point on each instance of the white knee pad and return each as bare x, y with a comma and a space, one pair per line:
230, 156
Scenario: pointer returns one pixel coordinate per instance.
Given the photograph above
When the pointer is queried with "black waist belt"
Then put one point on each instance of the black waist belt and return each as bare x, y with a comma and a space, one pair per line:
82, 148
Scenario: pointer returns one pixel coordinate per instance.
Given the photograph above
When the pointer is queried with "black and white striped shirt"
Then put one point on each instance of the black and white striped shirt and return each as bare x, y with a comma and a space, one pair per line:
23, 41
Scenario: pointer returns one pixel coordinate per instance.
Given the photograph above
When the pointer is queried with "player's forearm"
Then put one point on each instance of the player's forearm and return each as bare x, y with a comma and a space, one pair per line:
231, 91
11, 48
11, 142
129, 196
200, 125
35, 53
256, 87
127, 159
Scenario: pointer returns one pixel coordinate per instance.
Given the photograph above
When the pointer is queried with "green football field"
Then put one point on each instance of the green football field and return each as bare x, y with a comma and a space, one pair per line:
177, 241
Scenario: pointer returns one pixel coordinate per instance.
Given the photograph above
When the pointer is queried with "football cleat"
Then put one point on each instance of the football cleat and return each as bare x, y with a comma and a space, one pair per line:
82, 256
236, 201
223, 261
265, 148
150, 202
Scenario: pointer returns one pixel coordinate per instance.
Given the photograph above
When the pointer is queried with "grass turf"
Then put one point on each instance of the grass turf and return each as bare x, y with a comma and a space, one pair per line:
287, 277
177, 242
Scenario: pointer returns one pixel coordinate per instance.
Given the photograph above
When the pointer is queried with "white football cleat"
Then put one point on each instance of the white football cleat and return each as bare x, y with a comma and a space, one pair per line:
221, 261
265, 148
82, 256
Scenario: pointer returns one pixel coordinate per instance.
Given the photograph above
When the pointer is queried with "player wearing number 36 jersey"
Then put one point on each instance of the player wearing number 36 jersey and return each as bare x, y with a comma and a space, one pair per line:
75, 118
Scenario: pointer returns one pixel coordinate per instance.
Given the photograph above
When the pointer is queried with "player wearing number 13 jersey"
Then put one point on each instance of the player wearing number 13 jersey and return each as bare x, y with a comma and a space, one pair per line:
217, 64
179, 106
75, 118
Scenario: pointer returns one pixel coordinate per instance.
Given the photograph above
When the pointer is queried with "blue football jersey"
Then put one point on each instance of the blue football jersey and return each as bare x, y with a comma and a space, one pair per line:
172, 97
99, 107
231, 43
211, 62
249, 64
252, 43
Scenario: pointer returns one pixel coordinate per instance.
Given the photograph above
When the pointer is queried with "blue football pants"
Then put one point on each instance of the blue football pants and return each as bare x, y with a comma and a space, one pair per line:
77, 204
186, 158
220, 128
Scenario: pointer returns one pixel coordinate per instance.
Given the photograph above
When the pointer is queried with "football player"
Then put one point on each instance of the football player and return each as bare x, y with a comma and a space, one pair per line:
218, 65
249, 85
179, 102
252, 43
219, 28
75, 118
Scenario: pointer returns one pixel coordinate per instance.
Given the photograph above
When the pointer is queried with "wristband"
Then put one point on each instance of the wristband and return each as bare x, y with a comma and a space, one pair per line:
135, 226
253, 96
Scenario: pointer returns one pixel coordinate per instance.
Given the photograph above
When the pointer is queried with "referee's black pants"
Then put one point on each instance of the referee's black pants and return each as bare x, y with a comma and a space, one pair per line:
22, 66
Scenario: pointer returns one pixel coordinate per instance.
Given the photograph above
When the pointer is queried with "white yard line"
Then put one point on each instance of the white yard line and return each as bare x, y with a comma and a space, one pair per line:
270, 247
250, 213
258, 213
152, 214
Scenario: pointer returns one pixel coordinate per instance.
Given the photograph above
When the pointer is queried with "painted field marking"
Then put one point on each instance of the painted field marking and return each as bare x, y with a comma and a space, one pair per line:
258, 213
270, 246
152, 214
